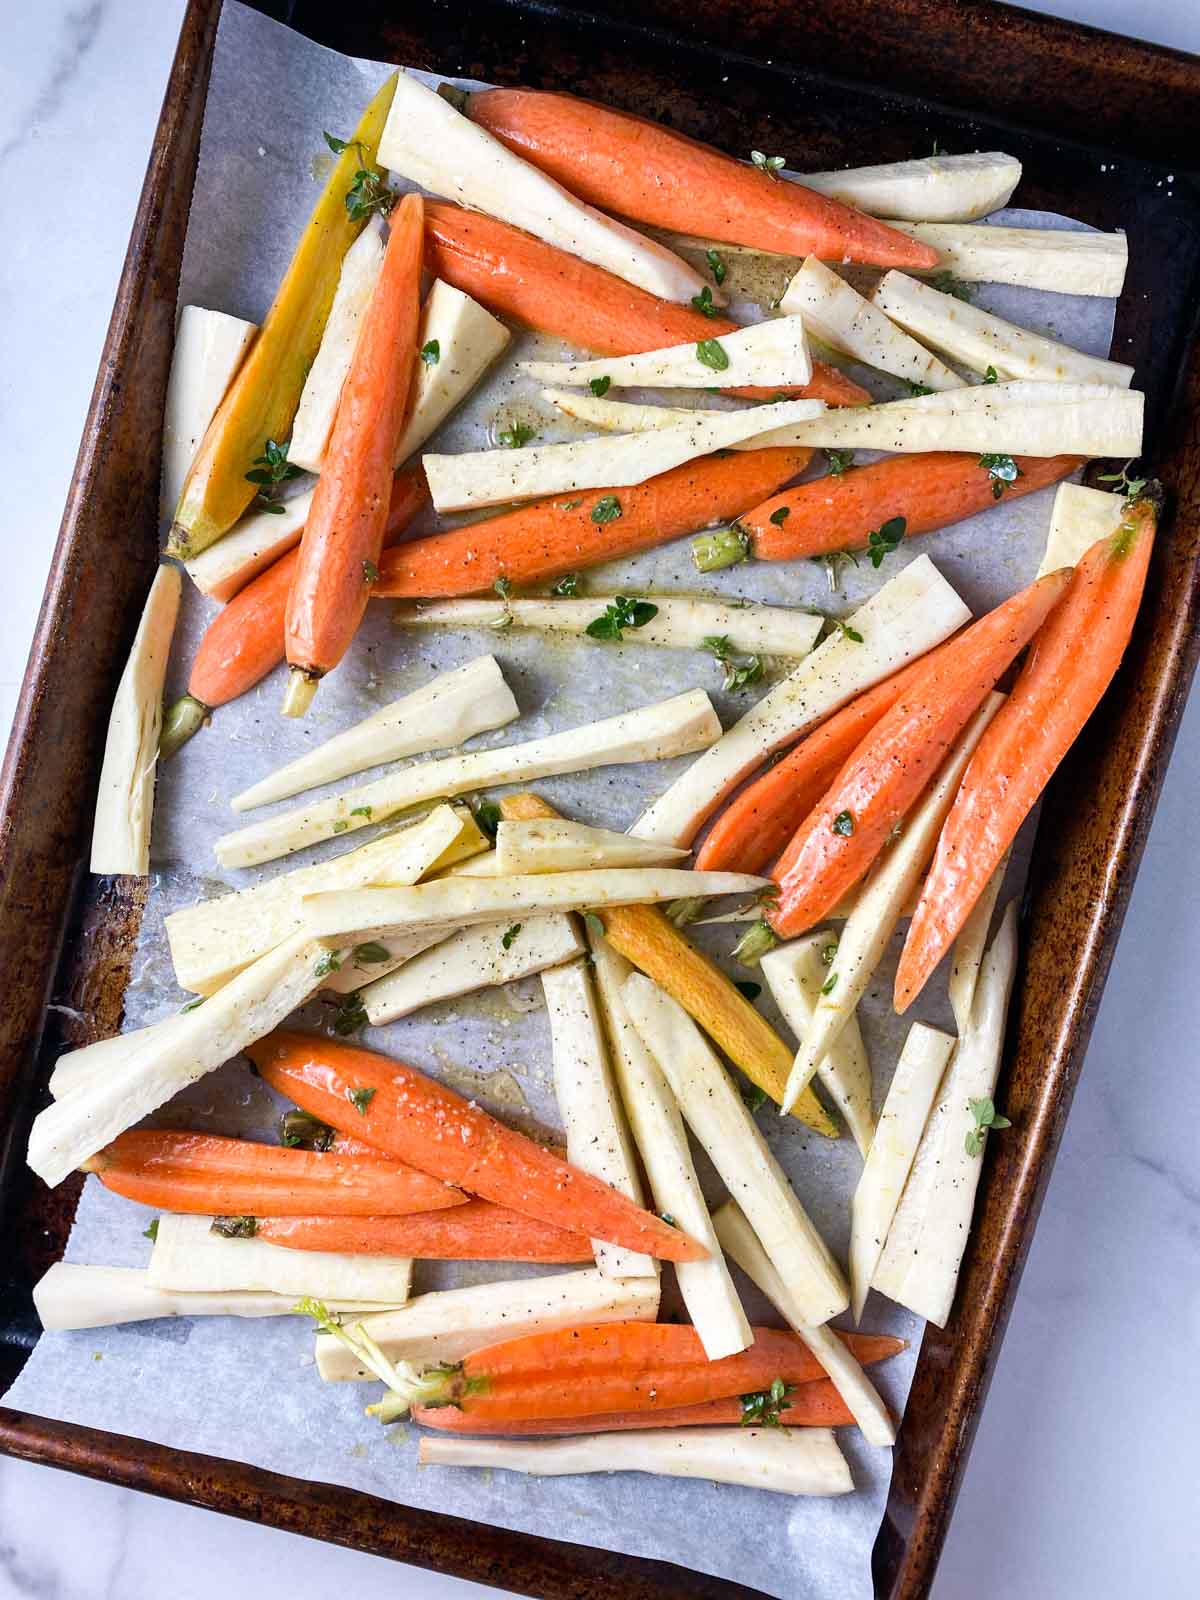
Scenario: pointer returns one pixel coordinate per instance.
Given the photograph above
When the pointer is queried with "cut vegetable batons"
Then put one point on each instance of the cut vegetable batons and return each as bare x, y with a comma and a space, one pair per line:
372, 960
740, 1242
839, 316
189, 1257
795, 973
214, 940
675, 727
1078, 518
770, 354
880, 901
254, 543
1069, 261
209, 346
499, 477
172, 1055
101, 1057
925, 1244
472, 958
796, 1461
623, 416
458, 341
442, 713
656, 1123
717, 1115
979, 340
447, 1324
932, 189
598, 1140
902, 1121
435, 147
555, 845
680, 623
125, 799
967, 954
910, 614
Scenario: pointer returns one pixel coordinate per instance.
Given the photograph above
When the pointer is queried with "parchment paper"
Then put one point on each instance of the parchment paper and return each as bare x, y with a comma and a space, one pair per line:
247, 1390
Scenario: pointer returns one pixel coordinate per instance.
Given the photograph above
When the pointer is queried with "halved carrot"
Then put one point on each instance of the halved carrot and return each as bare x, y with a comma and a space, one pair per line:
343, 537
422, 1122
848, 827
477, 1231
928, 491
538, 542
639, 169
547, 289
1071, 663
811, 1405
200, 1172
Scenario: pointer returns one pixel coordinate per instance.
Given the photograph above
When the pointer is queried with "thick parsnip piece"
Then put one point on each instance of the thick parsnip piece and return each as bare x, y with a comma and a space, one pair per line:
556, 845
676, 727
841, 318
979, 340
458, 341
718, 1117
100, 1057
125, 799
598, 1139
499, 477
253, 544
773, 353
932, 189
912, 612
209, 346
473, 958
925, 1244
214, 940
795, 974
189, 1256
682, 623
622, 416
447, 1324
902, 1121
1078, 518
427, 141
446, 711
1068, 261
363, 965
656, 1124
739, 1241
966, 956
798, 1461
174, 1054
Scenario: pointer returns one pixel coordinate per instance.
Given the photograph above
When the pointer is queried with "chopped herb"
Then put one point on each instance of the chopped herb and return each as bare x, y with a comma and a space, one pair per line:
750, 991
431, 353
301, 1130
340, 826
360, 1099
349, 1017
151, 1232
665, 1216
1002, 470
370, 572
758, 938
606, 509
716, 266
270, 470
947, 283
369, 195
780, 517
753, 1097
192, 1004
986, 1116
843, 824
771, 165
723, 548
833, 562
371, 954
762, 1408
594, 925
916, 390
740, 671
503, 587
487, 817
335, 144
1131, 488
829, 953
681, 912
840, 462
567, 586
846, 631
600, 386
235, 1227
830, 983
510, 935
362, 811
569, 505
991, 376
621, 613
703, 302
711, 353
328, 963
515, 437
883, 540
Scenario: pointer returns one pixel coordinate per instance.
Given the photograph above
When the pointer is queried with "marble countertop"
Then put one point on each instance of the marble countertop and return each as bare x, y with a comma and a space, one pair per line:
1083, 1477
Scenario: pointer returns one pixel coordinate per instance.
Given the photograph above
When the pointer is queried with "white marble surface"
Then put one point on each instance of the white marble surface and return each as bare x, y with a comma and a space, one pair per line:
1083, 1481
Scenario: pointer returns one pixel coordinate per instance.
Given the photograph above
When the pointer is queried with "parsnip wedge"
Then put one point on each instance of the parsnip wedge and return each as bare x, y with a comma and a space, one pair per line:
458, 341
430, 143
497, 477
473, 958
912, 612
125, 799
979, 340
795, 974
739, 1241
556, 845
209, 346
367, 963
717, 1115
676, 727
447, 1324
99, 1058
797, 1461
879, 904
902, 1121
189, 1256
598, 1139
925, 1244
656, 1124
174, 1054
682, 623
1078, 518
771, 353
622, 416
442, 713
932, 189
253, 544
967, 954
839, 316
1067, 261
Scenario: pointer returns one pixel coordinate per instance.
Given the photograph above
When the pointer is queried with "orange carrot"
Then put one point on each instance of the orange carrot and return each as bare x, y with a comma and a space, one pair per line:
1071, 663
848, 827
928, 491
534, 543
478, 1231
343, 537
547, 289
422, 1122
199, 1172
639, 169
